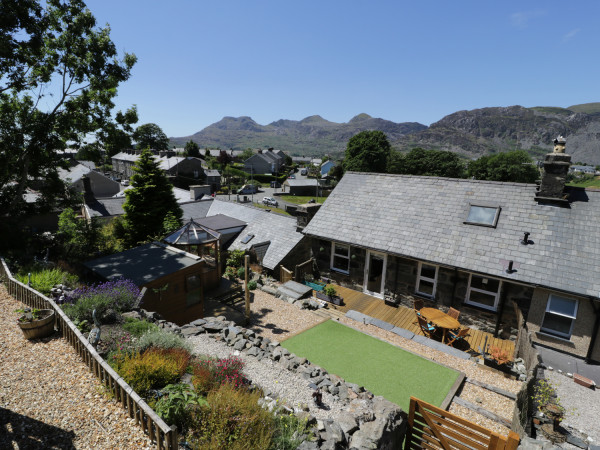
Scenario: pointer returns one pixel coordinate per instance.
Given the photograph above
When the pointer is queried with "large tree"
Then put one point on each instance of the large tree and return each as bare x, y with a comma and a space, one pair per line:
516, 166
191, 149
151, 136
58, 76
149, 201
439, 163
368, 151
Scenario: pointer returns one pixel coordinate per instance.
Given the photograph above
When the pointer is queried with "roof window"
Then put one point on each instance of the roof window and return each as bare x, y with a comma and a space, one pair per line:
247, 239
486, 216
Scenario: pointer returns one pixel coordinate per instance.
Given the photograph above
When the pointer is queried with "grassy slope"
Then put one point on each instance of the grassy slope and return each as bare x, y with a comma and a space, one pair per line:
587, 183
300, 200
586, 108
381, 367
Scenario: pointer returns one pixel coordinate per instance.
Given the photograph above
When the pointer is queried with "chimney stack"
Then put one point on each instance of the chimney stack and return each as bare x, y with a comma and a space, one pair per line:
88, 195
554, 177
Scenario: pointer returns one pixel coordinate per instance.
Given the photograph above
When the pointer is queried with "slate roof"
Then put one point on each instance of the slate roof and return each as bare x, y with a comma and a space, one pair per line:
74, 173
297, 182
106, 207
423, 218
143, 264
221, 222
195, 210
266, 226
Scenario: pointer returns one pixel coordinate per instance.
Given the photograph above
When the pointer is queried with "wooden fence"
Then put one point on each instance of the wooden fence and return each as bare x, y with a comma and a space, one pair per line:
431, 427
165, 436
302, 269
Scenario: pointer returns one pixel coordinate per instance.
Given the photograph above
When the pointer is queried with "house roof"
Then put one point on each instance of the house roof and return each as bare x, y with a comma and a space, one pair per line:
143, 264
212, 173
74, 173
106, 207
424, 218
297, 182
195, 210
221, 222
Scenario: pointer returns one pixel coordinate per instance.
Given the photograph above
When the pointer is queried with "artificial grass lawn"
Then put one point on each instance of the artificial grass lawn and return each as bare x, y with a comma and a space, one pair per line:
380, 367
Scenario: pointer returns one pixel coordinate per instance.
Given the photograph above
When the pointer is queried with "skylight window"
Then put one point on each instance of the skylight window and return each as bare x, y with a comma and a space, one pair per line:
247, 239
486, 216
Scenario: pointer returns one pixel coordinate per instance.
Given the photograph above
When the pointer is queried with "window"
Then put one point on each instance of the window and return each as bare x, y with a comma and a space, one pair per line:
196, 174
193, 288
560, 316
483, 292
427, 280
483, 215
340, 257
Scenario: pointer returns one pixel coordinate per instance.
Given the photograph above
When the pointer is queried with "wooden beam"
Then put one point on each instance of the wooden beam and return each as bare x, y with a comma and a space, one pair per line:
482, 411
489, 387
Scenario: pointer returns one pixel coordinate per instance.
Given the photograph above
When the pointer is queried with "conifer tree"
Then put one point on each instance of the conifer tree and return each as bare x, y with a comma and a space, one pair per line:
149, 201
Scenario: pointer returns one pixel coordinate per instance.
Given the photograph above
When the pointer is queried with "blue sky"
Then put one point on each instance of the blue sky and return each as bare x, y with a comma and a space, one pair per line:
199, 61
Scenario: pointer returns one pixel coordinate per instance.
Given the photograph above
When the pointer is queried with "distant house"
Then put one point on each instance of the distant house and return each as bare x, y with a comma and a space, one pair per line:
174, 279
326, 167
589, 170
306, 186
493, 250
265, 161
101, 185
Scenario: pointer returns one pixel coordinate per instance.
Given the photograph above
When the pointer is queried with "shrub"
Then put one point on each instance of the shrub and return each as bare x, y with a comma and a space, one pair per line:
43, 280
138, 327
153, 369
108, 299
329, 290
241, 272
233, 420
252, 285
236, 258
162, 339
174, 405
210, 373
230, 273
290, 432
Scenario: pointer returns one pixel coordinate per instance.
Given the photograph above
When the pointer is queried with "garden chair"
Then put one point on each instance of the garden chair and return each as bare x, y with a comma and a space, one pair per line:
427, 329
454, 313
457, 336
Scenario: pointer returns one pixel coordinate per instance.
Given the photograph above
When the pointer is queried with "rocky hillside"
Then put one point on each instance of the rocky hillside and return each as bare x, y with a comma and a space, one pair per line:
310, 136
470, 133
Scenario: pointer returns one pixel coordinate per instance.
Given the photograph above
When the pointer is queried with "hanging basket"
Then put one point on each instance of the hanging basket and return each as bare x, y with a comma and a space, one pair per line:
39, 328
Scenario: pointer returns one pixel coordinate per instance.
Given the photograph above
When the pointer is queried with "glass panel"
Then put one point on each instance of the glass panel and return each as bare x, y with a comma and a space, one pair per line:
428, 271
426, 287
192, 282
485, 284
341, 249
192, 298
481, 298
562, 305
375, 273
558, 324
481, 214
340, 263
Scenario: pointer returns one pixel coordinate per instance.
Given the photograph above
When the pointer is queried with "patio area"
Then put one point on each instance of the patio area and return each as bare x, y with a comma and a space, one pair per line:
404, 317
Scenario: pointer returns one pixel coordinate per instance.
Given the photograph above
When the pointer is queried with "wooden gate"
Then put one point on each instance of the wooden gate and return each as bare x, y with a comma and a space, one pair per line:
284, 274
431, 427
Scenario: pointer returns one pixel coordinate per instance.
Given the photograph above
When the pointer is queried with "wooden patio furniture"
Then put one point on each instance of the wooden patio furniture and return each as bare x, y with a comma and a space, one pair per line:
454, 313
456, 336
427, 329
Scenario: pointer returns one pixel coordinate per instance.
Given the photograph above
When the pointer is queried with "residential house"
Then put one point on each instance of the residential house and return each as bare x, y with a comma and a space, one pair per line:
305, 186
588, 170
491, 249
265, 161
326, 167
174, 279
100, 185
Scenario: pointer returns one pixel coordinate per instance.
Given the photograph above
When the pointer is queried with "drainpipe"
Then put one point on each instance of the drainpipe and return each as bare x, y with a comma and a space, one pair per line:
500, 310
588, 356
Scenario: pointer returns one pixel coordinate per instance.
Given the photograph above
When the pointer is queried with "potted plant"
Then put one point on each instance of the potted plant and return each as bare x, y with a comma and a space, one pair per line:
329, 294
498, 359
36, 323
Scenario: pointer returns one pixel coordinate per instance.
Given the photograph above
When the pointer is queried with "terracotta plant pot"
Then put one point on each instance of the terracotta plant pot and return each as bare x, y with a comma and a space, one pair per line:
39, 328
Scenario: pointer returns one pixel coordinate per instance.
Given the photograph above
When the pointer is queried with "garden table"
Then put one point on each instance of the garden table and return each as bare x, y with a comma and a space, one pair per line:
440, 319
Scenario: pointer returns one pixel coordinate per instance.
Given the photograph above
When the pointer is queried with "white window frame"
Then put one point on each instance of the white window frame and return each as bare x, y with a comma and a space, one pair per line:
496, 295
573, 318
334, 254
431, 280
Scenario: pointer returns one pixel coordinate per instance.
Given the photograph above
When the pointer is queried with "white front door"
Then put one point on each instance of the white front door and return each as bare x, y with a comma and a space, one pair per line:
375, 273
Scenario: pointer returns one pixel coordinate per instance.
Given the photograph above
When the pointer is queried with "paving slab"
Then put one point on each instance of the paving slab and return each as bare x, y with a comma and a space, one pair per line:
295, 290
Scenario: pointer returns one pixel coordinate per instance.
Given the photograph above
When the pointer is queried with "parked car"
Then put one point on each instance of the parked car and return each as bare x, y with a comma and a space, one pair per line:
125, 182
304, 171
248, 189
270, 201
292, 177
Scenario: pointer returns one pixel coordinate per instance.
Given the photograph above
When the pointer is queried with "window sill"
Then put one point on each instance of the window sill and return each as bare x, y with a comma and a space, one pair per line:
481, 307
553, 336
333, 269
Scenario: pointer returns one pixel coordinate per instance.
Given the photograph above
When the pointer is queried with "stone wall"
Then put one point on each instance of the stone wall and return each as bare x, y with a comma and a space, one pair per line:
582, 330
354, 280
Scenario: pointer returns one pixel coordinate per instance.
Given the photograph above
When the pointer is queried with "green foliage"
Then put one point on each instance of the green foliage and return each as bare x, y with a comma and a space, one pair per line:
139, 327
162, 339
266, 179
235, 258
59, 74
252, 285
43, 280
248, 153
110, 237
150, 136
171, 223
241, 272
290, 432
437, 163
368, 151
233, 420
79, 239
230, 273
174, 405
153, 369
191, 149
330, 290
148, 202
515, 166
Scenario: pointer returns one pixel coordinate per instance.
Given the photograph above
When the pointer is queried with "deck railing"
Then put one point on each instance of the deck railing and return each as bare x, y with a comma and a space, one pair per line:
165, 436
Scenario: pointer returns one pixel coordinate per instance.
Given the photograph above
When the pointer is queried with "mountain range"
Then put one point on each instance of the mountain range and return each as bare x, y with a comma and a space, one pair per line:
470, 133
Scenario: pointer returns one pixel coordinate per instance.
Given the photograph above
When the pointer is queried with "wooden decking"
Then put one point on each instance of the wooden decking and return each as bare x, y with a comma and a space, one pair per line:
404, 317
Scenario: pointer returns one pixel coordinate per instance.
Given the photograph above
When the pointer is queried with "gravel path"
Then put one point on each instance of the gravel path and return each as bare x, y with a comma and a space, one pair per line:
582, 405
275, 380
49, 399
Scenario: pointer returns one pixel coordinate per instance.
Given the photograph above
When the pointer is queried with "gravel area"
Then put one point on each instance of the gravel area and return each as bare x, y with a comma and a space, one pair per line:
277, 382
49, 399
582, 405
